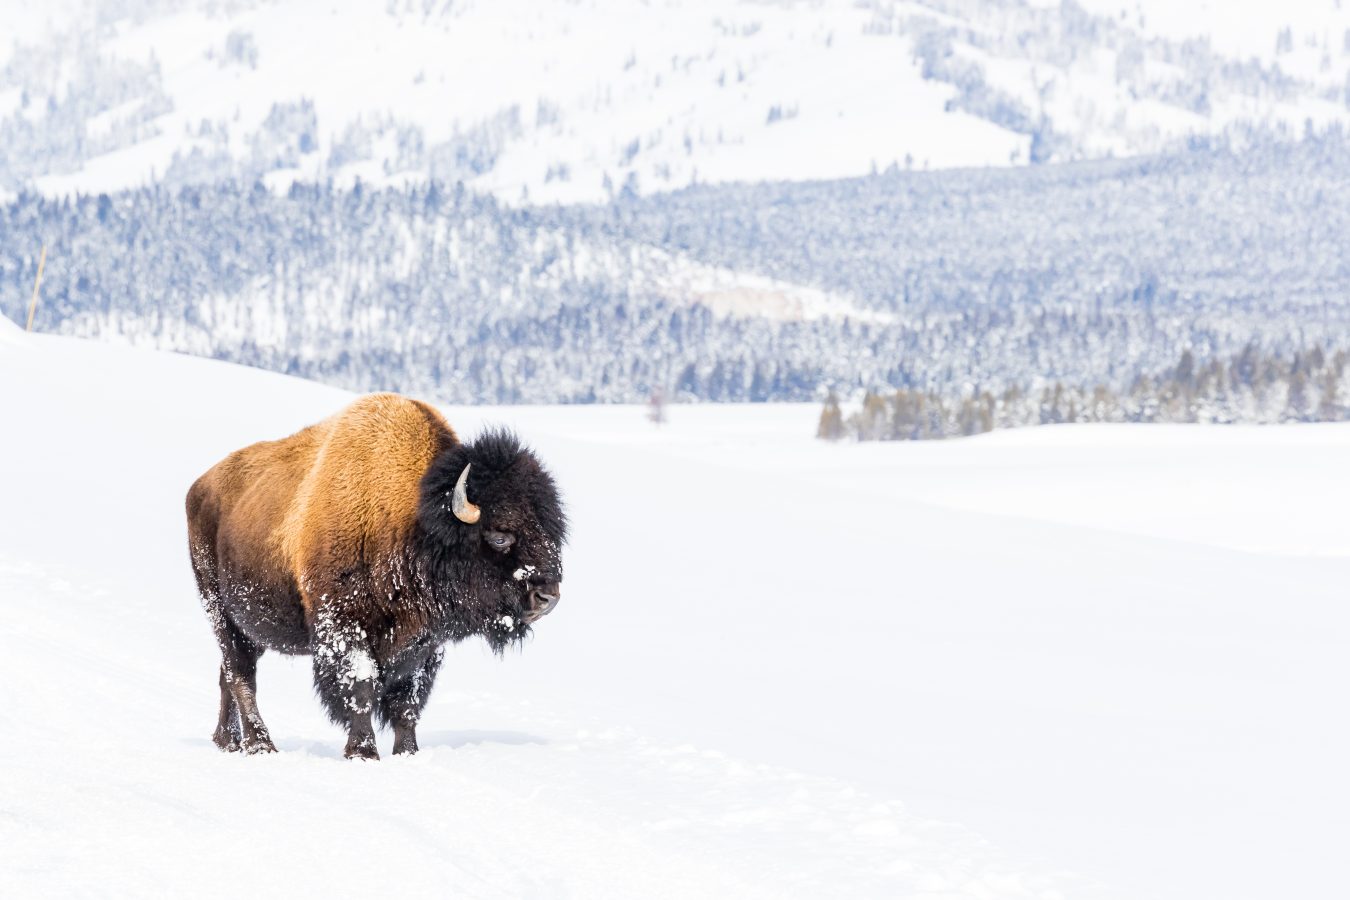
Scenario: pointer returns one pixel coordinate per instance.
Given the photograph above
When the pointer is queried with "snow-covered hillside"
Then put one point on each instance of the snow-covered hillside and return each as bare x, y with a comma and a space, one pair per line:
953, 282
780, 667
566, 101
1242, 29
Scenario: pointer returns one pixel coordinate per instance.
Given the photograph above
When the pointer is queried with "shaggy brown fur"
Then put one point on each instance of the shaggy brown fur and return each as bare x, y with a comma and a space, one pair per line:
337, 541
333, 492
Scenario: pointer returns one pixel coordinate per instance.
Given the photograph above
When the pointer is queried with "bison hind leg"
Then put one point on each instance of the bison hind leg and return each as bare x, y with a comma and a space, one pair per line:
227, 736
239, 678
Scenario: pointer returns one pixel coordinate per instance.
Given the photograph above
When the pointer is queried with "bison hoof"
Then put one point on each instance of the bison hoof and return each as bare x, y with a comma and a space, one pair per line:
262, 745
361, 747
226, 741
407, 748
362, 751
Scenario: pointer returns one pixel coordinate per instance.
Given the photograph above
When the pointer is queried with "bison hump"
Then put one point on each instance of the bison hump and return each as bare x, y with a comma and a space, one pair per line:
360, 494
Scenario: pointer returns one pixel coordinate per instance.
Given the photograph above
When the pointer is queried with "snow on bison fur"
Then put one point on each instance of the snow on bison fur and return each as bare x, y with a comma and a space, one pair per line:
369, 540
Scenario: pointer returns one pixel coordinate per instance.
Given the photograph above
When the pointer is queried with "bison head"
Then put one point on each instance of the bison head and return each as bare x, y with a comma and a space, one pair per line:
494, 513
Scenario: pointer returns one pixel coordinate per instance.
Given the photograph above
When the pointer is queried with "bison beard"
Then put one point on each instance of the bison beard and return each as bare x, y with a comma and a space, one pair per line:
343, 541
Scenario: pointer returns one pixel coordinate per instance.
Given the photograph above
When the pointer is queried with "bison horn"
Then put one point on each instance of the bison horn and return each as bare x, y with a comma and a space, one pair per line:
465, 511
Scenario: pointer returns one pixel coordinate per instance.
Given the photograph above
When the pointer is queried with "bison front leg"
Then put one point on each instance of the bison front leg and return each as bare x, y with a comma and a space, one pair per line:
401, 706
360, 729
347, 679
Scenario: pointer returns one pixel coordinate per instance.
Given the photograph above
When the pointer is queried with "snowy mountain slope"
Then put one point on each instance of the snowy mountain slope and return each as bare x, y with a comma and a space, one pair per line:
758, 663
1243, 29
566, 101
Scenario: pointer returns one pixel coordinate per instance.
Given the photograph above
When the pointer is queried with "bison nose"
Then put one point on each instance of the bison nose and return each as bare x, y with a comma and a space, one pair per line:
544, 597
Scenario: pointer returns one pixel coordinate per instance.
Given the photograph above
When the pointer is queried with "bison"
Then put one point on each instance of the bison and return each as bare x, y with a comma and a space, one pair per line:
369, 541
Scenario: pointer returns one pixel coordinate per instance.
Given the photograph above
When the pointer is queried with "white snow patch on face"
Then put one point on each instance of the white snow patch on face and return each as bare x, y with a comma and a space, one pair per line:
523, 572
507, 622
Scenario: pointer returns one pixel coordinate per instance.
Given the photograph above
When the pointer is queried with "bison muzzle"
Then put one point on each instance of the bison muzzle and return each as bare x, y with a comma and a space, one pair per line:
369, 541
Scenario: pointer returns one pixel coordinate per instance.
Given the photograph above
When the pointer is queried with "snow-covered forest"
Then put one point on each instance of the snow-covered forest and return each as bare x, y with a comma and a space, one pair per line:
955, 283
778, 198
1251, 386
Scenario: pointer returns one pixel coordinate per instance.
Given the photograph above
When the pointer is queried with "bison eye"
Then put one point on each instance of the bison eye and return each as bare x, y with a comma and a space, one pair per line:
499, 540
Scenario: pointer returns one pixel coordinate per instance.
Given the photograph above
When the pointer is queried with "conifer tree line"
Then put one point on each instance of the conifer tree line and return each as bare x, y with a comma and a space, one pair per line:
1005, 279
1253, 386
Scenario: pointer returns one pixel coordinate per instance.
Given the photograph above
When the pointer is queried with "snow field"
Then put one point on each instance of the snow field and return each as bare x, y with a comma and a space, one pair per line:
518, 792
779, 665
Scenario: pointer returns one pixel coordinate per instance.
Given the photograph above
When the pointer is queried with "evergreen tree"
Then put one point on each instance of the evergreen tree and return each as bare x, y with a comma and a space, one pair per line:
1297, 404
1328, 408
831, 427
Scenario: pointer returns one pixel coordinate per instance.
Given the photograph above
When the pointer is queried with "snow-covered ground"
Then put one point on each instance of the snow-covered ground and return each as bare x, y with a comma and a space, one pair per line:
1066, 662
